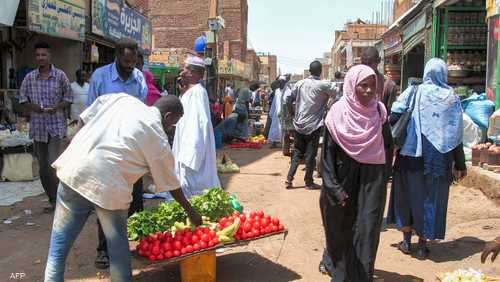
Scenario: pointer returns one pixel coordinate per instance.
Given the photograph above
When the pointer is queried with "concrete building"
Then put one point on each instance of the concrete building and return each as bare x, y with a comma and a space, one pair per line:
402, 6
350, 42
268, 67
253, 61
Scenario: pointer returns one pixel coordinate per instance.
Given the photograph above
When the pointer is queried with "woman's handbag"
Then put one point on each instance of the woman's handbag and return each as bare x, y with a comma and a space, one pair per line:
400, 128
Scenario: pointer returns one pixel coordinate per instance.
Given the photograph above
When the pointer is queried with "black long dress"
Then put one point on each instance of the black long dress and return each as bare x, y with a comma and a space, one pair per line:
352, 231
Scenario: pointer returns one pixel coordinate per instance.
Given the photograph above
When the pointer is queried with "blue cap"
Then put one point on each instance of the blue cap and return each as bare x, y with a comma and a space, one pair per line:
200, 44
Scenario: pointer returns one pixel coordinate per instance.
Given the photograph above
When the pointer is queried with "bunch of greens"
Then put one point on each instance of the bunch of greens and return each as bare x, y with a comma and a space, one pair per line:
214, 204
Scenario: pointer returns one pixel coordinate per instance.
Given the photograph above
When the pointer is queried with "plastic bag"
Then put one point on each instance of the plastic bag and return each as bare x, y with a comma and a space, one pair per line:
472, 132
479, 108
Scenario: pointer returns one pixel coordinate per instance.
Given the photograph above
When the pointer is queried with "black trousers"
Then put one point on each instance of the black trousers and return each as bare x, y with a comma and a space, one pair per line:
47, 153
137, 205
304, 147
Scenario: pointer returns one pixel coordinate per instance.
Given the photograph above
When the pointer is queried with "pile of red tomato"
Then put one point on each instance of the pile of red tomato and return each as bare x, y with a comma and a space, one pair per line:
254, 225
161, 246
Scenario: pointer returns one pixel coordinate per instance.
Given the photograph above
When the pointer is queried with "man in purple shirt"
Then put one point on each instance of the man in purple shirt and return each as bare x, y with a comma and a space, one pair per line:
45, 94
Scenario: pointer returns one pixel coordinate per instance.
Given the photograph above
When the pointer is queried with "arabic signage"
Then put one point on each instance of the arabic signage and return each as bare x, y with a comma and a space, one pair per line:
172, 57
62, 18
113, 20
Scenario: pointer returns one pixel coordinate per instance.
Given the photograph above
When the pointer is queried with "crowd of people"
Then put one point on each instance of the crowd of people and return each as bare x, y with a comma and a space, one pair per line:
125, 133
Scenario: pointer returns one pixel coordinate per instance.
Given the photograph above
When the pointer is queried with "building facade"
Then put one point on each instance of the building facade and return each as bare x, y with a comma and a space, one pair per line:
268, 67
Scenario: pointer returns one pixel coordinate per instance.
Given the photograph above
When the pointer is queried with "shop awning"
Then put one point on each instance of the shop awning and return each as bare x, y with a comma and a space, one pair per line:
408, 15
413, 42
8, 12
439, 3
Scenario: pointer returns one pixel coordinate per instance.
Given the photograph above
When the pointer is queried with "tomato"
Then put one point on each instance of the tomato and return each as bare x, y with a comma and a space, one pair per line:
281, 227
268, 229
211, 243
206, 230
196, 246
152, 257
260, 213
151, 239
256, 225
189, 249
183, 251
140, 252
257, 218
237, 237
247, 227
199, 232
205, 238
177, 253
195, 239
203, 245
159, 235
212, 234
274, 228
166, 246
236, 213
243, 236
223, 221
275, 221
253, 214
264, 222
228, 223
216, 240
177, 245
243, 218
188, 233
160, 257
144, 246
169, 254
155, 250
186, 241
256, 233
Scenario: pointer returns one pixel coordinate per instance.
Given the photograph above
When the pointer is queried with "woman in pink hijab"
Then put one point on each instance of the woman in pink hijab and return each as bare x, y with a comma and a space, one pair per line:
153, 93
354, 176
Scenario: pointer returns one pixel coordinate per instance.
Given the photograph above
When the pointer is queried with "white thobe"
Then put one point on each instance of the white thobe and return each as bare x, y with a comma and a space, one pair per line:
194, 144
275, 130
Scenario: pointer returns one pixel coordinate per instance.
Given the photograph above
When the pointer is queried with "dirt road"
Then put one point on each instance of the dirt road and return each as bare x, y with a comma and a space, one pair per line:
472, 219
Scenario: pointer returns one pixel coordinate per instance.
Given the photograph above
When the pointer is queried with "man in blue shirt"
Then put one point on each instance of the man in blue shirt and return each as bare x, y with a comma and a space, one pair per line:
121, 76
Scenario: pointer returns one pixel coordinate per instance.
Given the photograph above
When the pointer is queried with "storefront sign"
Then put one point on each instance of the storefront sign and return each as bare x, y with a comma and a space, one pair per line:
392, 38
173, 57
112, 19
413, 27
62, 18
8, 12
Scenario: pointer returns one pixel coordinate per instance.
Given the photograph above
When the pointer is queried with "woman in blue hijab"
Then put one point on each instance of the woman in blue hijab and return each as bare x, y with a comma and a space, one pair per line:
431, 155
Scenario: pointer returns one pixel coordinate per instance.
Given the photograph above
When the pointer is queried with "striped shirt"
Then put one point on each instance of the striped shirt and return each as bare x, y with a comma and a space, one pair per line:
46, 93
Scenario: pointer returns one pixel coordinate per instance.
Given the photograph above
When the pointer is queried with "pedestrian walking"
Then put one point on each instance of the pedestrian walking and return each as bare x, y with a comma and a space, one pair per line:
121, 76
354, 174
386, 88
108, 154
194, 141
286, 117
46, 94
431, 155
310, 97
80, 89
275, 131
267, 128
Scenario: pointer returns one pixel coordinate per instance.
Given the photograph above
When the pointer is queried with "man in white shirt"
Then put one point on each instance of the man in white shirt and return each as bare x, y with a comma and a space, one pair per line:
111, 151
194, 141
80, 89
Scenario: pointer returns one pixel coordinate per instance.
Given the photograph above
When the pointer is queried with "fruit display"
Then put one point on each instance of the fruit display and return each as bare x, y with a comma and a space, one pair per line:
245, 145
464, 275
258, 139
213, 204
183, 238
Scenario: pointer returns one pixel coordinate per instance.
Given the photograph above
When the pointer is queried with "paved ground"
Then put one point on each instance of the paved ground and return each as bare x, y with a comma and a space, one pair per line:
472, 220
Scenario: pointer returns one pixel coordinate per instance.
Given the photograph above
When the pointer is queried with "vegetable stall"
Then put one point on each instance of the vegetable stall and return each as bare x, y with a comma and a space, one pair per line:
166, 235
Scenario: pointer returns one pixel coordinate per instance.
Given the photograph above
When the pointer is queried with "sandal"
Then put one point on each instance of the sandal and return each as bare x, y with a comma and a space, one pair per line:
288, 184
404, 247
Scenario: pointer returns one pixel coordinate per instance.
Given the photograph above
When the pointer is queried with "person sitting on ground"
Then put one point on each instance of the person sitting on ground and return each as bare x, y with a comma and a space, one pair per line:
109, 153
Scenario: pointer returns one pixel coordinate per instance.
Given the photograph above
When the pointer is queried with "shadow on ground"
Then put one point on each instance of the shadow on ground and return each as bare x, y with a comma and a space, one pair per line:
455, 250
395, 277
245, 267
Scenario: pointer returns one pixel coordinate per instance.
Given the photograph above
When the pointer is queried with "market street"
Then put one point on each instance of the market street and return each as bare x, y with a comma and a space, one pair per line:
472, 219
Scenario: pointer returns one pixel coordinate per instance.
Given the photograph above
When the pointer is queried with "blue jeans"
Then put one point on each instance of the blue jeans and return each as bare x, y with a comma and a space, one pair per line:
72, 211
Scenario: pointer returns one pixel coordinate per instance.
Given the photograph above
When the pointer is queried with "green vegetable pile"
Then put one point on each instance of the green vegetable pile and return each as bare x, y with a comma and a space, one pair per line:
214, 204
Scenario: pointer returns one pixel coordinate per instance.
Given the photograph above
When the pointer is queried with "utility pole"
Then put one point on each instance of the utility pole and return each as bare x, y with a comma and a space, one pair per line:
211, 51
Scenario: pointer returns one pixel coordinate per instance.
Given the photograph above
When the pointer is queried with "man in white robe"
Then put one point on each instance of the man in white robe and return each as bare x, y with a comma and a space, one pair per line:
194, 142
274, 113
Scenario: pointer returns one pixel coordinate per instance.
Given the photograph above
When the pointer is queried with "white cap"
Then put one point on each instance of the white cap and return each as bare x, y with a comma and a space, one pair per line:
195, 61
282, 77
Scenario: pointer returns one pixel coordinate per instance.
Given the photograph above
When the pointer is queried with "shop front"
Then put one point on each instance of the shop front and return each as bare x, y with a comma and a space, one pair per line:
460, 37
393, 48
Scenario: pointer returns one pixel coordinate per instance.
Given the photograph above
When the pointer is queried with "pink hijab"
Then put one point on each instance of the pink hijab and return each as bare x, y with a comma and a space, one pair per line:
357, 128
153, 93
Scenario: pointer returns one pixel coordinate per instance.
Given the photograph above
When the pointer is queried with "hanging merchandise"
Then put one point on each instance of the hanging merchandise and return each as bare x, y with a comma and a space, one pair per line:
94, 53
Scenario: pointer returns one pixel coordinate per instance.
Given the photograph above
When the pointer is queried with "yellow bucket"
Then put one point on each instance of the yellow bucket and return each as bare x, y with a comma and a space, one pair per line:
199, 268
